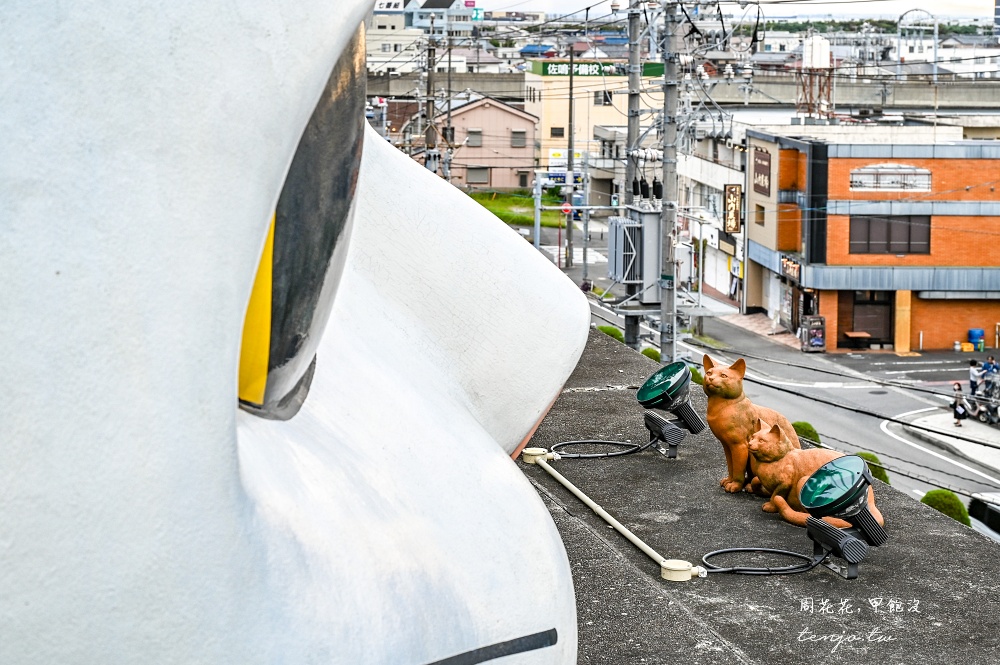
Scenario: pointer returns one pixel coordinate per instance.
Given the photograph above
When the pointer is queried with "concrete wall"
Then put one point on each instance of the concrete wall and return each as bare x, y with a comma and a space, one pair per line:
867, 93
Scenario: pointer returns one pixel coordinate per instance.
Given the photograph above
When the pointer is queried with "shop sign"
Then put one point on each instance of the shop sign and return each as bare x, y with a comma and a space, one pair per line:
727, 247
762, 171
579, 69
733, 208
791, 269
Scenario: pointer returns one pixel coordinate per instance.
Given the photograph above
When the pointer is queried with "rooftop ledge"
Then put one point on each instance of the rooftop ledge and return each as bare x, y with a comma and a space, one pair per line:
929, 595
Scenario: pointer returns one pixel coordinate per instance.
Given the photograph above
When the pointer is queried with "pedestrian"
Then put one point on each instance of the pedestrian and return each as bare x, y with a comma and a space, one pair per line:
990, 370
975, 376
959, 406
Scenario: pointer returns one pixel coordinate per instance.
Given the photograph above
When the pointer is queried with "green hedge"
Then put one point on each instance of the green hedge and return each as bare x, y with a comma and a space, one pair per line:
696, 376
650, 352
611, 331
805, 431
876, 466
947, 502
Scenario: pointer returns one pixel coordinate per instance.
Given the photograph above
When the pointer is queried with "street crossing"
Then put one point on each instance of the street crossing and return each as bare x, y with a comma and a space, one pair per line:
593, 256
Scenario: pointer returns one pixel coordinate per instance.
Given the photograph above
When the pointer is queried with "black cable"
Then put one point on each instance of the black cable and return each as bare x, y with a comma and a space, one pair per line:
811, 562
629, 448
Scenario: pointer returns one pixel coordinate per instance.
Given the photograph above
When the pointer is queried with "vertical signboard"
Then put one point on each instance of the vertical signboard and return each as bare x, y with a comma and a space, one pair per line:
733, 208
761, 171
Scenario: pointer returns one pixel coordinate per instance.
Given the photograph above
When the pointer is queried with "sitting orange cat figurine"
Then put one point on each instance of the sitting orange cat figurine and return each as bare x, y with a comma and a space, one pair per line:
733, 419
782, 470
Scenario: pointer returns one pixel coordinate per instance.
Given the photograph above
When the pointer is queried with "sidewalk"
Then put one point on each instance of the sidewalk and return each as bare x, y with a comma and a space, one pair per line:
945, 431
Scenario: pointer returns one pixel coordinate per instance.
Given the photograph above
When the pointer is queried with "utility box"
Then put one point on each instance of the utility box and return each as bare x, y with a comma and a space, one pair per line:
634, 252
813, 331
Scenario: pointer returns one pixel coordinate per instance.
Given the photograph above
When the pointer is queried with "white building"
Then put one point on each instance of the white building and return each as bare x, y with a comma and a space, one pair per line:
391, 47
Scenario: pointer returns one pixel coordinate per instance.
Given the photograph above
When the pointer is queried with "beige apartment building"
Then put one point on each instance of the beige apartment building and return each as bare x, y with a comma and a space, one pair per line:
600, 98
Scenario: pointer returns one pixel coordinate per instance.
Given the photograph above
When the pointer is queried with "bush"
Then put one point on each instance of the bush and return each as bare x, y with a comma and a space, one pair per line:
805, 431
876, 466
611, 331
652, 353
696, 376
947, 502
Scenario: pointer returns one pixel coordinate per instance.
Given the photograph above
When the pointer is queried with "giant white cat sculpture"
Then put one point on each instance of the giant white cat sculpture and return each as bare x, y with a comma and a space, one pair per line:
362, 507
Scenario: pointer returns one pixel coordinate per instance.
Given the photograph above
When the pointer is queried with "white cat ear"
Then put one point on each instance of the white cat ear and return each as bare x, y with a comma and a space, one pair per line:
740, 366
707, 362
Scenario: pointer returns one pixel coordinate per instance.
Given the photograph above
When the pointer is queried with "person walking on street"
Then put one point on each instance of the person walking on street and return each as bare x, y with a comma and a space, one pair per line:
959, 405
975, 376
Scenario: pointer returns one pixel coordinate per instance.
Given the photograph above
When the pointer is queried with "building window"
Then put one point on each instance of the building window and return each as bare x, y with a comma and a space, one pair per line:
899, 234
386, 48
477, 175
396, 48
522, 178
475, 138
557, 132
448, 134
602, 98
518, 138
758, 215
891, 177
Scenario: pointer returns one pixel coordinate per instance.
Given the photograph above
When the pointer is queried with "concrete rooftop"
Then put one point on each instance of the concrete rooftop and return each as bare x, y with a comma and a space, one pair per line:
928, 596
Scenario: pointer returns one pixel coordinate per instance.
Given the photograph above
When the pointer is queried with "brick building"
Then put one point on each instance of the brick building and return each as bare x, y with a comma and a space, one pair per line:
894, 243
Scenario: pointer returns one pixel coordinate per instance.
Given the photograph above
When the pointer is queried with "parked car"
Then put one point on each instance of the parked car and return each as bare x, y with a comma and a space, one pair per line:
984, 514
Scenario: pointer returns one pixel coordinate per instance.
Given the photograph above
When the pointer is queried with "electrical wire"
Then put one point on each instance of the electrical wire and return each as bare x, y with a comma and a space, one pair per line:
811, 562
628, 448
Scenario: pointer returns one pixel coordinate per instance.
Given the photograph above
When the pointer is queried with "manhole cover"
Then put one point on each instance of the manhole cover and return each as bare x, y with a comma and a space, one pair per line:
878, 392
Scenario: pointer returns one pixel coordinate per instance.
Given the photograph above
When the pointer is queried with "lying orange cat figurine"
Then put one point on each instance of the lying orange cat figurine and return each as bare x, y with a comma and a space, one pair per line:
733, 419
782, 470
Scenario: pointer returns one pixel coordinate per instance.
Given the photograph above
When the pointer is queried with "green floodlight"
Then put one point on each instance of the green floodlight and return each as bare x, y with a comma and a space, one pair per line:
668, 390
839, 488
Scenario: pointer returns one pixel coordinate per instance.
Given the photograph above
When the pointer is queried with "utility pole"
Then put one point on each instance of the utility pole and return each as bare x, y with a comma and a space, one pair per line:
570, 179
631, 145
668, 212
430, 142
634, 86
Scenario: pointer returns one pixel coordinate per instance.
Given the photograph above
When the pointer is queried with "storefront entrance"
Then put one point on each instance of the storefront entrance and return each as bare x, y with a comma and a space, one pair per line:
865, 312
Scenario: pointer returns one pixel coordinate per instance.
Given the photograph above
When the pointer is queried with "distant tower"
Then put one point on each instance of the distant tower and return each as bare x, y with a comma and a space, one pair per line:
815, 78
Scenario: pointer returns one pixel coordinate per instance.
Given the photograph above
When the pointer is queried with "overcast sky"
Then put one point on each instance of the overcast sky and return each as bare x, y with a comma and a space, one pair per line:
781, 8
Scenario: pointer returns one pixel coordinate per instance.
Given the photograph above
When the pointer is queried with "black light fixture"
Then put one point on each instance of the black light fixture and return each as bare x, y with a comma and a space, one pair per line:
668, 390
840, 489
664, 431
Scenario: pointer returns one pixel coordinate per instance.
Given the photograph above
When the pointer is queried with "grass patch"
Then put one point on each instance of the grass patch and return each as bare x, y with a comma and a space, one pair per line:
611, 331
651, 353
518, 207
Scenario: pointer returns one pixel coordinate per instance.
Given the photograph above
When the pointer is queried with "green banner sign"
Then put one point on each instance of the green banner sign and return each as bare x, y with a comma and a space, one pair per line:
591, 68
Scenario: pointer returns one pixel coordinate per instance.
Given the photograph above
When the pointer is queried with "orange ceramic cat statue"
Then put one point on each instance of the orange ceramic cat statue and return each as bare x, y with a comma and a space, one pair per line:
733, 419
781, 471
